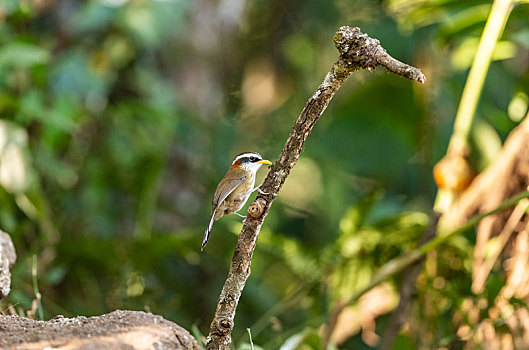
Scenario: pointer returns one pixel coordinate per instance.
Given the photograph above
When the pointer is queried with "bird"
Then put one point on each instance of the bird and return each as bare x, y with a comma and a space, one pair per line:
234, 189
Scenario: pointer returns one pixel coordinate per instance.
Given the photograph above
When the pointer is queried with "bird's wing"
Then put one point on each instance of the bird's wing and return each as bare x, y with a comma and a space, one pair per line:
228, 184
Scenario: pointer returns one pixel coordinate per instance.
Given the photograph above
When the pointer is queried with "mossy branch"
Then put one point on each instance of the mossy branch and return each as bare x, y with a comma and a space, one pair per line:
357, 50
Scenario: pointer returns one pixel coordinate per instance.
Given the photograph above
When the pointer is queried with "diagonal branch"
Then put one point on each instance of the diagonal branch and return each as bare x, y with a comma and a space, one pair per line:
357, 51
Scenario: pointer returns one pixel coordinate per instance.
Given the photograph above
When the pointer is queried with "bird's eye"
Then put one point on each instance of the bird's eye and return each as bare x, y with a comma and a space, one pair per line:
253, 159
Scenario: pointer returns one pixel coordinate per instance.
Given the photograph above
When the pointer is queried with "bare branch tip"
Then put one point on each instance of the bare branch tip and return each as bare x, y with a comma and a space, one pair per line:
360, 50
357, 50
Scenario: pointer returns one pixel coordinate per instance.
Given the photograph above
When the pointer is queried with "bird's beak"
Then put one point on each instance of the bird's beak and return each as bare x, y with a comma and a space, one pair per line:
264, 161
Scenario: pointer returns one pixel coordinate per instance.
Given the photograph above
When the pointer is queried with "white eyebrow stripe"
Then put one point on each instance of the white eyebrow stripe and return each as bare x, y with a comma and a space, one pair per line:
249, 154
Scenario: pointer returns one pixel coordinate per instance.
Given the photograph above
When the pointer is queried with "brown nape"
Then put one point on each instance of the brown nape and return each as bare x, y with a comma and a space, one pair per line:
236, 165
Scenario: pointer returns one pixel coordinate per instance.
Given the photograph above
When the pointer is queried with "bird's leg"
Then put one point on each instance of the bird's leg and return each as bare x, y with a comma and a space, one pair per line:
256, 189
262, 192
242, 216
259, 189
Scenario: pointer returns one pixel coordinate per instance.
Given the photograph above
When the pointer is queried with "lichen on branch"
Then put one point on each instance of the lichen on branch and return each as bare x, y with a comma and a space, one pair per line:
357, 50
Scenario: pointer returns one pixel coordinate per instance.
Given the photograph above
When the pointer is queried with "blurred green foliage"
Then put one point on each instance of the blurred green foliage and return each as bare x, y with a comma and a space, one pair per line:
118, 118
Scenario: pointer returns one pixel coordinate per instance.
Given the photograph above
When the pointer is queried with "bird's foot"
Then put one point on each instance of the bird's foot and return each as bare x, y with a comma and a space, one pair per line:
258, 189
263, 192
242, 216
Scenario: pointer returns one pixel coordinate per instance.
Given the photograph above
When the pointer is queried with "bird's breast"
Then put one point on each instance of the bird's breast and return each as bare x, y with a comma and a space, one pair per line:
242, 192
236, 200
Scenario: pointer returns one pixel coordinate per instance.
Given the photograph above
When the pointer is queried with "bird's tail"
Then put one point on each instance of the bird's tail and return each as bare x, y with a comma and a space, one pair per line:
208, 230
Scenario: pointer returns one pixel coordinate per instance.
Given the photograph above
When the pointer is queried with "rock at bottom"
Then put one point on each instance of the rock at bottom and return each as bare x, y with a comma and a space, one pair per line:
130, 330
7, 259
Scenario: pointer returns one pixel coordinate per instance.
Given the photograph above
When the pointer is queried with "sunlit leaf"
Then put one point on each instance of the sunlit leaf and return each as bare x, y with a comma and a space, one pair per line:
356, 215
465, 18
296, 341
299, 51
518, 106
306, 174
403, 342
292, 254
22, 55
487, 143
14, 176
248, 346
464, 54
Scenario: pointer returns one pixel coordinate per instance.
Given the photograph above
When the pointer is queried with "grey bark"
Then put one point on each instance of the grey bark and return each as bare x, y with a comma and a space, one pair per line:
357, 50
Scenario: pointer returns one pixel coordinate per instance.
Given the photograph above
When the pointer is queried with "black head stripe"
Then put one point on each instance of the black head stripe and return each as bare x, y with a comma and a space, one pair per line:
246, 157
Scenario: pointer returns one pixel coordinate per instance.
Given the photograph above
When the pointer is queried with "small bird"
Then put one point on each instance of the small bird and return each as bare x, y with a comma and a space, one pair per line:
235, 188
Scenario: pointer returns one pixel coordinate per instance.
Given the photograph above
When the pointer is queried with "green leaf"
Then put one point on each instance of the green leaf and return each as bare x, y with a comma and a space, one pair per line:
403, 342
14, 172
21, 55
293, 342
464, 55
356, 215
487, 144
465, 18
247, 346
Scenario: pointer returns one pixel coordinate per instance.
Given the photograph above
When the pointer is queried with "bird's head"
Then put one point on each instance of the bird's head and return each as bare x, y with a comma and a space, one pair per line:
250, 161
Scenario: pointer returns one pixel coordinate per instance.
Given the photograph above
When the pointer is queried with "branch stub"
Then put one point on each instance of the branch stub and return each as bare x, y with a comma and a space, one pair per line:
358, 49
257, 208
224, 326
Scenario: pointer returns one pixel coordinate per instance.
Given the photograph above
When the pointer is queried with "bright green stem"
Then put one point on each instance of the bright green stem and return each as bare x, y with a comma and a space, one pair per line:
494, 27
36, 286
250, 335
